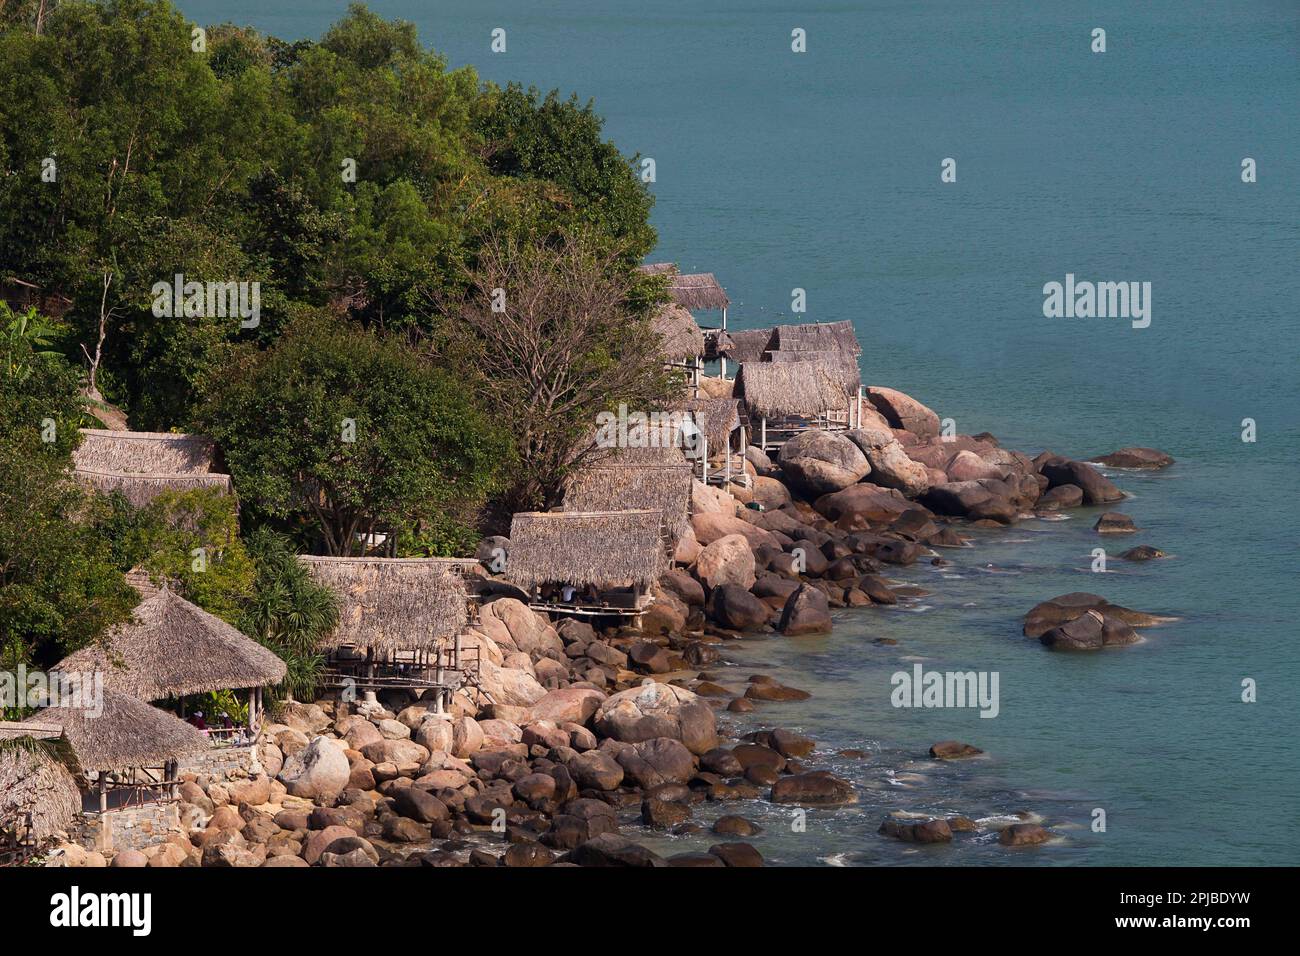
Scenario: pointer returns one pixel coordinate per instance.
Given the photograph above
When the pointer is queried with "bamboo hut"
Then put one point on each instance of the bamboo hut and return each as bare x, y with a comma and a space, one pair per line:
721, 427
38, 798
400, 623
172, 648
587, 563
662, 488
124, 753
789, 397
682, 341
694, 292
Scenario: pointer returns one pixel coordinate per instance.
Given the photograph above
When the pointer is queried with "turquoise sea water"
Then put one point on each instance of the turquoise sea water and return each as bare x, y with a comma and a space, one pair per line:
821, 171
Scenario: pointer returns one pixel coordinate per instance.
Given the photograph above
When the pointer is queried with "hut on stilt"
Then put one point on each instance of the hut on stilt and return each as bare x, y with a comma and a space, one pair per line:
786, 398
682, 341
401, 622
644, 487
587, 563
124, 756
696, 292
172, 649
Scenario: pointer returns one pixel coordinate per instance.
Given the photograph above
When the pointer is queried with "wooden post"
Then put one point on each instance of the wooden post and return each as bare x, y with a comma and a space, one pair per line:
704, 459
724, 330
763, 439
103, 792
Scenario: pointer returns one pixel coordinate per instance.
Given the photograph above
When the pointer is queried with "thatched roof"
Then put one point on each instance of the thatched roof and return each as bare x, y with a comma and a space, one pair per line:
394, 603
777, 389
682, 338
127, 733
172, 648
140, 489
658, 268
32, 781
654, 487
699, 291
844, 364
817, 337
716, 418
144, 453
601, 548
748, 345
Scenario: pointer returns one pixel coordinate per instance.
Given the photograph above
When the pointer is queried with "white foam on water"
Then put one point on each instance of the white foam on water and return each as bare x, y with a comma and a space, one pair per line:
835, 859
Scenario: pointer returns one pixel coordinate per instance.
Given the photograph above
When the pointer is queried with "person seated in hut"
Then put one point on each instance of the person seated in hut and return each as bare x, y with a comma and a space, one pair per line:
568, 592
197, 720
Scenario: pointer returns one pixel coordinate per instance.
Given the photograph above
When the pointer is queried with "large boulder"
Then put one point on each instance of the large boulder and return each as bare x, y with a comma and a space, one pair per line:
574, 705
807, 611
727, 560
819, 788
1090, 631
712, 526
817, 463
853, 509
736, 608
686, 588
770, 493
1067, 607
1097, 488
530, 631
891, 467
970, 499
658, 710
319, 771
1135, 458
968, 466
508, 685
903, 411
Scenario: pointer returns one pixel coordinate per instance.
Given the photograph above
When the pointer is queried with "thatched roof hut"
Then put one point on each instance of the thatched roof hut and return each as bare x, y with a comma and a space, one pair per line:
139, 489
172, 648
653, 487
716, 418
32, 781
682, 338
698, 291
844, 364
805, 389
658, 268
390, 604
816, 337
126, 734
144, 453
746, 346
604, 549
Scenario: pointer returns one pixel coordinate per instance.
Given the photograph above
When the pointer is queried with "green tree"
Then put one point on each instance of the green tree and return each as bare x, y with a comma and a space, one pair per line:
59, 585
351, 434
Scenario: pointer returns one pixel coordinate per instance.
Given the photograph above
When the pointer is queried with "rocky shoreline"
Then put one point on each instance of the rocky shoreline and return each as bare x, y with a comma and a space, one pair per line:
585, 726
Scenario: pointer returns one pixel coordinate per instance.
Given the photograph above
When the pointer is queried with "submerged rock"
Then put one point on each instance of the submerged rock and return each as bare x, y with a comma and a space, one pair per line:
1143, 552
953, 750
1024, 834
1150, 458
1113, 522
916, 831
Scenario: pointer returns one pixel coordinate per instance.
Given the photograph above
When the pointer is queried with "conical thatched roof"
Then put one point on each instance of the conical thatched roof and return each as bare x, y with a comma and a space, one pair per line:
777, 389
601, 548
682, 338
394, 603
144, 453
126, 733
747, 345
173, 648
32, 781
662, 488
140, 489
816, 337
658, 268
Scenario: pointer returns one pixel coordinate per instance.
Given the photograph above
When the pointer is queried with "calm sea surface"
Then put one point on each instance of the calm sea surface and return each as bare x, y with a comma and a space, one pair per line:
820, 171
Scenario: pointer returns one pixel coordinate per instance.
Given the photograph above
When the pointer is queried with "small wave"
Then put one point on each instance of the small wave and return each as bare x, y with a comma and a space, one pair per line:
835, 859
